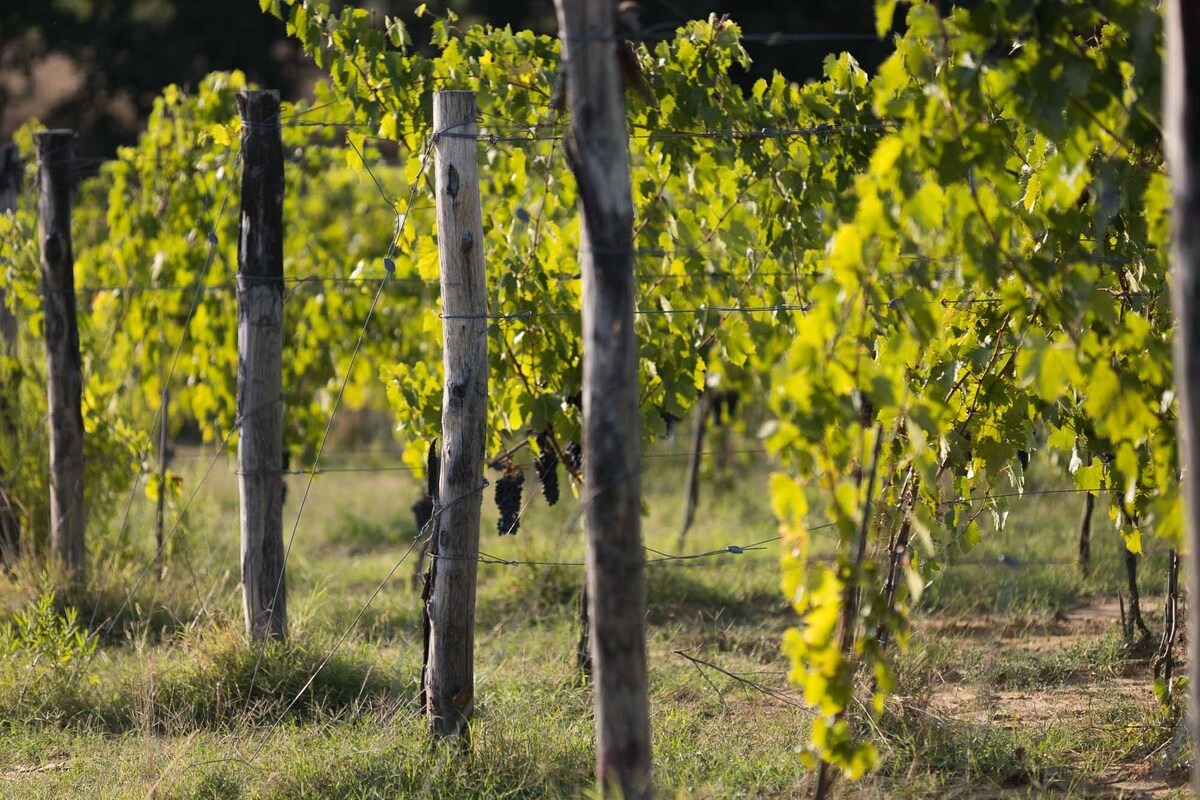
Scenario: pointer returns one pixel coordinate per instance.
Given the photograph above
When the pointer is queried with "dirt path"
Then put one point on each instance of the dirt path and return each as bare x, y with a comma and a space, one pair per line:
1075, 698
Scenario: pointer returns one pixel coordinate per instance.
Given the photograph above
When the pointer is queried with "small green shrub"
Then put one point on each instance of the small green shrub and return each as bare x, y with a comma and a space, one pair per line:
40, 633
43, 657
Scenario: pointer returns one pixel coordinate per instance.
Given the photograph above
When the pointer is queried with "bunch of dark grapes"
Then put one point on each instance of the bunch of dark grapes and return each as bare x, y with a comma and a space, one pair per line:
573, 458
422, 512
724, 406
546, 467
508, 500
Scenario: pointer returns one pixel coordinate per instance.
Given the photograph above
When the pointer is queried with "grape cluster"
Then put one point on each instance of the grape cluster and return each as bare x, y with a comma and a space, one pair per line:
724, 406
508, 500
546, 467
669, 421
573, 458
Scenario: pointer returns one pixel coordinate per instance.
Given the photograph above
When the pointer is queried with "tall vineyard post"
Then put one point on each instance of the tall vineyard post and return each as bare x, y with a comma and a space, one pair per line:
11, 170
1085, 534
161, 500
1182, 135
450, 672
598, 149
260, 366
692, 483
64, 380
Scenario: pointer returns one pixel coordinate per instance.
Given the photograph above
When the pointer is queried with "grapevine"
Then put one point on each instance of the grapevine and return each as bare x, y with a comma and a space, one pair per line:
957, 262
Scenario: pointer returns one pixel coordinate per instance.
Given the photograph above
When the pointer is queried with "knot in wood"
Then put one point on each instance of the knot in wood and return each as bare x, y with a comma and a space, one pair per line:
458, 390
54, 247
468, 241
463, 699
452, 182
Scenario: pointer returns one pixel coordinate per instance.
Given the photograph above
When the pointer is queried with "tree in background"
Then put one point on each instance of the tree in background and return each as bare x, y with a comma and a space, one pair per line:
96, 65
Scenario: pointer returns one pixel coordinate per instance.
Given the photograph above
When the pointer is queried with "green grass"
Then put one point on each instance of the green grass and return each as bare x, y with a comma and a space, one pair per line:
166, 709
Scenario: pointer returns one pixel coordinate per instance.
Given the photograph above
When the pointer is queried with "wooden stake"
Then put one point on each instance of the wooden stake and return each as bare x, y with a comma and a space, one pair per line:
64, 381
583, 645
1085, 534
260, 367
11, 170
160, 551
10, 528
598, 149
692, 498
450, 676
1182, 135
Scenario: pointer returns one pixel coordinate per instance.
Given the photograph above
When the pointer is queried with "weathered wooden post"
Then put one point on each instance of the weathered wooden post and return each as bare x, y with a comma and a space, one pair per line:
1085, 534
692, 497
450, 671
260, 366
598, 149
160, 504
64, 381
11, 169
1182, 134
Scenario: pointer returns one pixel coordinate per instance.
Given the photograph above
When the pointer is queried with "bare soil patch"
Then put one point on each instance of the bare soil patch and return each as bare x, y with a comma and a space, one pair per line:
1102, 697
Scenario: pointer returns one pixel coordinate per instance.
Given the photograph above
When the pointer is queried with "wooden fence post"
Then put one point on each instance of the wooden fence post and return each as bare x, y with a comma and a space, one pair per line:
1182, 134
450, 672
597, 147
692, 485
1085, 534
11, 170
260, 366
64, 381
160, 558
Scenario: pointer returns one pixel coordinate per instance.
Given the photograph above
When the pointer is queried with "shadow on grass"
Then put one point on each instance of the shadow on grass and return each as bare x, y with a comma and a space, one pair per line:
674, 595
118, 601
210, 680
529, 596
929, 755
503, 759
677, 594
